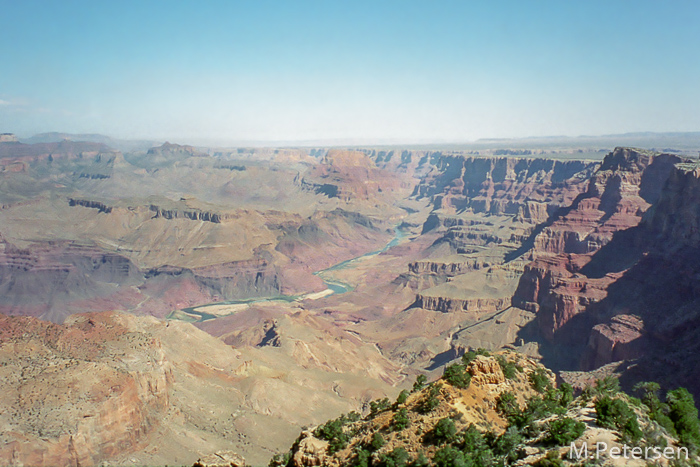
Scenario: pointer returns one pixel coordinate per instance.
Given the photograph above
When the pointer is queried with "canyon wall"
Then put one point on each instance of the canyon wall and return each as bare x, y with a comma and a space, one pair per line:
483, 210
659, 289
69, 399
614, 276
528, 188
618, 194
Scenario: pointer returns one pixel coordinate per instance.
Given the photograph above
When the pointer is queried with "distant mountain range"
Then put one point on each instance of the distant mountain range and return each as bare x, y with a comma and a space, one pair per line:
681, 142
124, 145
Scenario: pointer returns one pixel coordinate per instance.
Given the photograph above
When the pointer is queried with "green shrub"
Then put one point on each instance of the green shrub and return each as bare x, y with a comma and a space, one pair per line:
609, 412
616, 414
380, 405
539, 380
608, 386
377, 441
469, 356
420, 461
658, 411
449, 456
329, 430
398, 457
457, 376
555, 400
684, 415
483, 457
472, 439
362, 458
509, 368
505, 445
654, 437
552, 459
664, 422
400, 420
280, 460
420, 383
430, 401
337, 444
507, 405
476, 447
566, 394
444, 431
563, 431
402, 398
649, 393
536, 408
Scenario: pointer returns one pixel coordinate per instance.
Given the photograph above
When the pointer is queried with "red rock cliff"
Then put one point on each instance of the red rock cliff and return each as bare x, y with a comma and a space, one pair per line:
618, 195
78, 393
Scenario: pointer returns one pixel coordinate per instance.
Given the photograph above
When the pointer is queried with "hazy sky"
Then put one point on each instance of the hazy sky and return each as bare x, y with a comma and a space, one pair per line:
375, 71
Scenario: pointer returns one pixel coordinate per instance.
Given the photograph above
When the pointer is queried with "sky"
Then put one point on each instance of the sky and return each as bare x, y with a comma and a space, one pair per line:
352, 71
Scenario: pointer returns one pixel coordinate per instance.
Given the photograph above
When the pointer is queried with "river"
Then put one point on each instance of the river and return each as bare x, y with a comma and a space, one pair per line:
196, 314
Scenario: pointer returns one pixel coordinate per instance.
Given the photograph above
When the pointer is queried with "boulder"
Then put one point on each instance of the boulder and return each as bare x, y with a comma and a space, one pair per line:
221, 459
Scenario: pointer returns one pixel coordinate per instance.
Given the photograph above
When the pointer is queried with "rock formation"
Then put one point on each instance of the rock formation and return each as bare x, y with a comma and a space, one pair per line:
220, 459
602, 256
484, 209
8, 138
475, 406
528, 188
352, 176
618, 194
309, 451
69, 399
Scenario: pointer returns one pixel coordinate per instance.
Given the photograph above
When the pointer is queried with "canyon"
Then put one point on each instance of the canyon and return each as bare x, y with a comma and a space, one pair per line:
109, 261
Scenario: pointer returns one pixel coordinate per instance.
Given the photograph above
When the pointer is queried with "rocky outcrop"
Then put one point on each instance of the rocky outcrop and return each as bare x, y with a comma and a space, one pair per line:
101, 207
162, 212
12, 166
485, 370
618, 194
412, 428
193, 214
56, 272
239, 279
636, 296
351, 176
221, 459
447, 269
674, 219
620, 339
68, 399
660, 286
463, 239
449, 305
309, 451
553, 288
8, 138
173, 150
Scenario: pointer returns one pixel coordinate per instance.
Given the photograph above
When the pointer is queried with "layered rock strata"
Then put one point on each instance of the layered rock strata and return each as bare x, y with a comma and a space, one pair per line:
108, 404
527, 188
484, 209
618, 194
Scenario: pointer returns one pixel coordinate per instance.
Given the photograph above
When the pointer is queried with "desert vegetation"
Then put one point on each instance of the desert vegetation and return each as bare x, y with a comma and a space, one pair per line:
424, 428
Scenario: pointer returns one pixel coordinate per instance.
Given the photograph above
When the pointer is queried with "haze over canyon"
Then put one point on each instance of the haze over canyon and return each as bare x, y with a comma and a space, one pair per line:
162, 302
